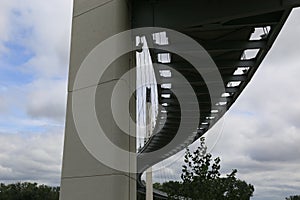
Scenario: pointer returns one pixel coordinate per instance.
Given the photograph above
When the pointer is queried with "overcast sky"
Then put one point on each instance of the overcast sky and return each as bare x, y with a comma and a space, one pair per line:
260, 136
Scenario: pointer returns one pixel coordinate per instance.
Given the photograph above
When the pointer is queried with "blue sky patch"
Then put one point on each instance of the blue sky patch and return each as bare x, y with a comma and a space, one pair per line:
11, 63
17, 54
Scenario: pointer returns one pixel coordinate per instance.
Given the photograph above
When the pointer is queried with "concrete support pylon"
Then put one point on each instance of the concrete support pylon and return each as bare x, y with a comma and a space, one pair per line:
149, 131
84, 176
149, 184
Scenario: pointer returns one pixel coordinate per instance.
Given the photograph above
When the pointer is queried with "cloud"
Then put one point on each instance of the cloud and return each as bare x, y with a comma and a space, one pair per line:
43, 29
31, 157
3, 99
50, 24
34, 45
47, 99
5, 8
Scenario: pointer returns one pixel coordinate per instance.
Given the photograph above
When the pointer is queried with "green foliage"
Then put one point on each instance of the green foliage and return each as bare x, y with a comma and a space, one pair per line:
28, 191
157, 186
173, 189
297, 197
202, 180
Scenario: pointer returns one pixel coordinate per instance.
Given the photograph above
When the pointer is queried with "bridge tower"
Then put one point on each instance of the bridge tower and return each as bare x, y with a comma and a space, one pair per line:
84, 176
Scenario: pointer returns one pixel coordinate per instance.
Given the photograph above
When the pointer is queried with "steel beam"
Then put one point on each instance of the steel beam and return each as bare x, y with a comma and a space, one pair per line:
178, 14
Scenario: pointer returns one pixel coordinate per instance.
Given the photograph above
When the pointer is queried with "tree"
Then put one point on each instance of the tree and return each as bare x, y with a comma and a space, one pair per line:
202, 180
28, 191
296, 197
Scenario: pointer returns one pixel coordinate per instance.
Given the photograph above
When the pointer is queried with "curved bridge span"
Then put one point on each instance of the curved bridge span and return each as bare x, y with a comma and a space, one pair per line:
203, 55
237, 37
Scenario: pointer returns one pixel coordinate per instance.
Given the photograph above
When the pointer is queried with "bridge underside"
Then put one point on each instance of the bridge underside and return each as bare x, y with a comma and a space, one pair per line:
237, 35
223, 28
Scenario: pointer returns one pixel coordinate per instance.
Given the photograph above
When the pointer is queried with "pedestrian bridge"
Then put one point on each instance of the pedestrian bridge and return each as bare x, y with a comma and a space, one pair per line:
236, 36
201, 54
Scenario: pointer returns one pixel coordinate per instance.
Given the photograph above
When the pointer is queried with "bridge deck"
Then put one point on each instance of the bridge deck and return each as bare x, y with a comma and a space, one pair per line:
228, 32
